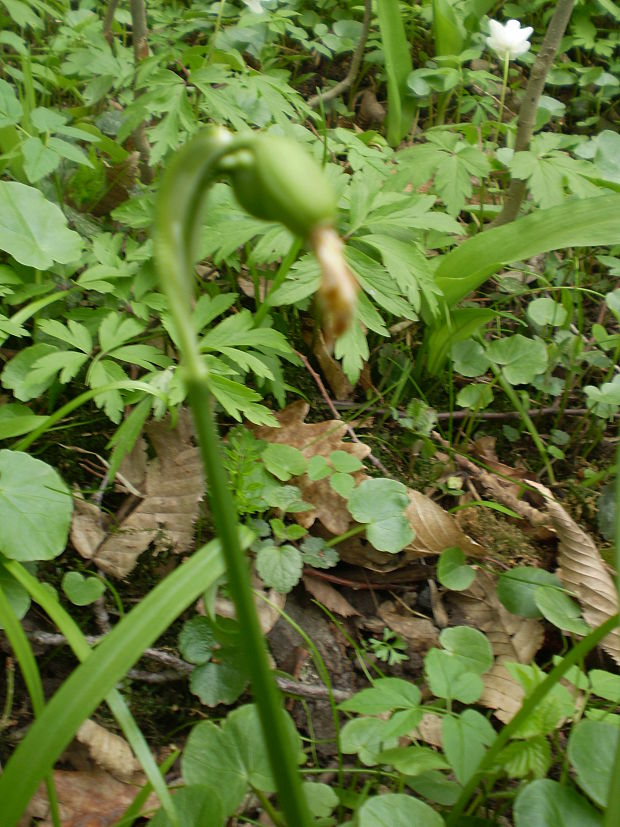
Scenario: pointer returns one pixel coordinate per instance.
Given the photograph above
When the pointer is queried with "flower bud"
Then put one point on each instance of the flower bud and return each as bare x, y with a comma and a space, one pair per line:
275, 179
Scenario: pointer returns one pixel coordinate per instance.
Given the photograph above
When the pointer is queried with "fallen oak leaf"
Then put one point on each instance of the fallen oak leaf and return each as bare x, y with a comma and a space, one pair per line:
433, 528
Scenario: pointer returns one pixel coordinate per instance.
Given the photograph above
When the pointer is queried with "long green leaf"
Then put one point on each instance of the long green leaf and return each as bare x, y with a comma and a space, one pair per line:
576, 223
86, 687
118, 706
398, 67
30, 672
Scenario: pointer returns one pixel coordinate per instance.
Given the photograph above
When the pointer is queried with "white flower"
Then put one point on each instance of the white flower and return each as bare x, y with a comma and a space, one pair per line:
255, 6
510, 39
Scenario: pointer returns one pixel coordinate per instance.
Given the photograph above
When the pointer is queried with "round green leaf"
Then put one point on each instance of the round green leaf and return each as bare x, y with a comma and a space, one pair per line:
397, 810
342, 484
321, 799
381, 504
82, 591
546, 803
279, 567
363, 737
197, 640
453, 572
469, 646
221, 682
522, 359
345, 462
557, 607
517, 589
545, 311
232, 756
591, 750
33, 230
196, 805
284, 461
35, 508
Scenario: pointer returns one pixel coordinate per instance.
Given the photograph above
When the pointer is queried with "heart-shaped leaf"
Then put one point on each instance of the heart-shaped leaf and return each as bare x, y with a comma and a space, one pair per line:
381, 504
82, 591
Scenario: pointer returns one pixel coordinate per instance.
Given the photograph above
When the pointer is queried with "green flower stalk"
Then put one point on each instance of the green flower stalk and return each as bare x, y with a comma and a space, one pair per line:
272, 179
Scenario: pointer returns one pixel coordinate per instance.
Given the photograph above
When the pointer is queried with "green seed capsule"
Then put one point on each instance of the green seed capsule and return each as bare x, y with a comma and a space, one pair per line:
275, 179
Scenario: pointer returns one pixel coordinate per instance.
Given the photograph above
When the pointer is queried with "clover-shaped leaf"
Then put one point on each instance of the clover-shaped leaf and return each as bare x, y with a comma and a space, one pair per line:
381, 503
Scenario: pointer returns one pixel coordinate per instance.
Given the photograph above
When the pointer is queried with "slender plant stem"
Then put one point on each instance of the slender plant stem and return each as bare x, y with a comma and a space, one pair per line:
270, 709
527, 112
140, 53
285, 266
529, 705
502, 98
108, 20
527, 421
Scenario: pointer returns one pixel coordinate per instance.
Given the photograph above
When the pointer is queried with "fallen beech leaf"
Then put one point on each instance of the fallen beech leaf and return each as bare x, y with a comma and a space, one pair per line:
329, 597
110, 751
434, 529
512, 638
86, 799
584, 573
165, 517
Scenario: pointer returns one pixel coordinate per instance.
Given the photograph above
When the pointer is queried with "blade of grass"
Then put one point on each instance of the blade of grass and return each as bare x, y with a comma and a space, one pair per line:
30, 672
86, 687
398, 67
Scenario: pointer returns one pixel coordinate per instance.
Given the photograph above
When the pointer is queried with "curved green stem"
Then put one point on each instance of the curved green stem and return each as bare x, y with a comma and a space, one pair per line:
177, 224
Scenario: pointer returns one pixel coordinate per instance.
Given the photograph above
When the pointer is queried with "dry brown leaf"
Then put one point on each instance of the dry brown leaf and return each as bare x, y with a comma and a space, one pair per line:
165, 517
109, 751
512, 638
429, 729
269, 604
329, 597
584, 573
133, 467
86, 799
87, 526
419, 632
435, 529
484, 448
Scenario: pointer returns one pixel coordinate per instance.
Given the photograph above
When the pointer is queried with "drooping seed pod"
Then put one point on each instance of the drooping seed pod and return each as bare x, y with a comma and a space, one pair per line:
275, 179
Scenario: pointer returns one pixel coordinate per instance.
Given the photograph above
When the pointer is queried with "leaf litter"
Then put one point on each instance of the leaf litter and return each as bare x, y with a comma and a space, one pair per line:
172, 486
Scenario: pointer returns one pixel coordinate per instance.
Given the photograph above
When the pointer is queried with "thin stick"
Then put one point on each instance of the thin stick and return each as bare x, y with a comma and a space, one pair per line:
179, 669
356, 61
319, 383
527, 112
